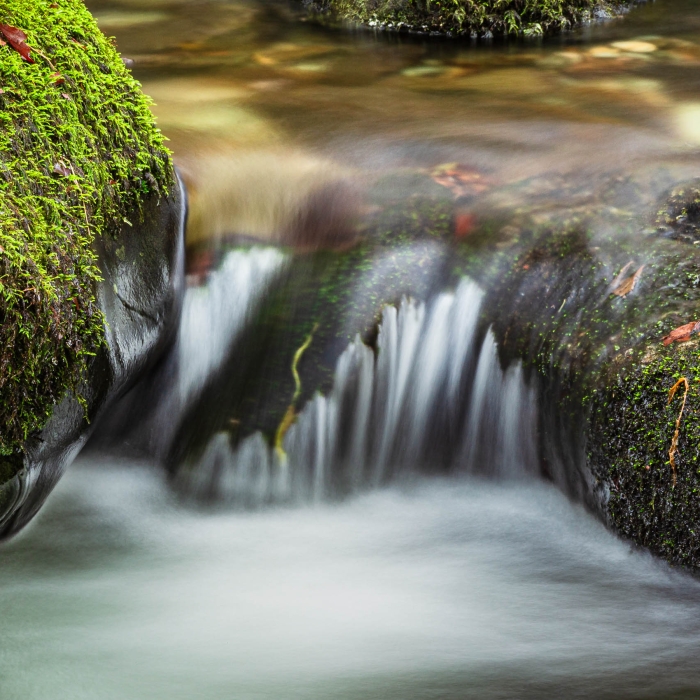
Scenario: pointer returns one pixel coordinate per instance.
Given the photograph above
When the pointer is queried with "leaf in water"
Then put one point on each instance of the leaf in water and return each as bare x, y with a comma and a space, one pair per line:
18, 41
622, 287
461, 180
682, 333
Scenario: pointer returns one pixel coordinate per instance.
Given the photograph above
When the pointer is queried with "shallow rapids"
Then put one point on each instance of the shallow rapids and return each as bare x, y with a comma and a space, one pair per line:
430, 589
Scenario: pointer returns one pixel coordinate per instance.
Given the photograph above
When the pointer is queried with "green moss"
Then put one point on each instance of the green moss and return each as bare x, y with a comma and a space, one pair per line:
629, 452
476, 17
78, 151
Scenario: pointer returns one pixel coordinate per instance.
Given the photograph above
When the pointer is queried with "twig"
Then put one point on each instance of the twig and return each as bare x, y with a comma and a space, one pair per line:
290, 416
674, 443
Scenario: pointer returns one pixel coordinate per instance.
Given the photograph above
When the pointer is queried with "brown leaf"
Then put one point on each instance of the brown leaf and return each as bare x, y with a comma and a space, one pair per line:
62, 170
461, 180
18, 41
57, 78
622, 288
682, 333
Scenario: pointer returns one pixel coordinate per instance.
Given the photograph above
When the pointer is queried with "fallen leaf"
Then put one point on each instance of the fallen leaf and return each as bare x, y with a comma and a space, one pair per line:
465, 223
66, 96
57, 78
61, 169
18, 41
620, 276
682, 333
624, 287
461, 180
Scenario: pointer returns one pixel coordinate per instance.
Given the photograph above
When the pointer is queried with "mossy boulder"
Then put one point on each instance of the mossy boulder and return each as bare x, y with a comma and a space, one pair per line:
479, 18
91, 218
587, 308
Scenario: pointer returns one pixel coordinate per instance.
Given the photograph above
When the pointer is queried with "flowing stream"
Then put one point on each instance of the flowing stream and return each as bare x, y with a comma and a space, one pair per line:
330, 487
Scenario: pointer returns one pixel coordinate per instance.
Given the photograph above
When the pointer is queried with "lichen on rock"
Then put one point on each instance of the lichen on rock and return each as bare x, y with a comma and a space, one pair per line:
470, 17
79, 151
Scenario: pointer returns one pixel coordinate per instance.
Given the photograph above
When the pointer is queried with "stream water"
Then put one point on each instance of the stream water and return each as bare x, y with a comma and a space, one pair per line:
394, 541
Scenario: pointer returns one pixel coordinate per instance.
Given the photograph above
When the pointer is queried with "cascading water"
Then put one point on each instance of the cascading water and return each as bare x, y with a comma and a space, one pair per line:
431, 397
213, 317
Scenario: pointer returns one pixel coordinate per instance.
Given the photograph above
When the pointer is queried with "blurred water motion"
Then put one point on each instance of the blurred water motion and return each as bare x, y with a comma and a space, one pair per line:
294, 140
442, 589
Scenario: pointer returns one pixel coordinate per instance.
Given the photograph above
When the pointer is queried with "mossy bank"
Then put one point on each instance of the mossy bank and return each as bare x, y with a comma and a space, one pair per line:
478, 18
79, 153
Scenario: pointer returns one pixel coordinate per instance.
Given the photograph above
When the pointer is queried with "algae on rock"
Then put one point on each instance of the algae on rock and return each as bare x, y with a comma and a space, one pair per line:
470, 17
79, 151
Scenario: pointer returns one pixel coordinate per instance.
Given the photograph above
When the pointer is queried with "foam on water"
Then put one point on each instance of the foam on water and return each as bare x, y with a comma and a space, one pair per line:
450, 589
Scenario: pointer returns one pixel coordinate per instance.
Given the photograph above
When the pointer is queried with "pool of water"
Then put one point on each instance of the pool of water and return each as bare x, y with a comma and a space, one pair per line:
431, 589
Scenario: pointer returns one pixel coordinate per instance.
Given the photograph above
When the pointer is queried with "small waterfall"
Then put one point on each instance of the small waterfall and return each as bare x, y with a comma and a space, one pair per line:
431, 397
211, 323
213, 318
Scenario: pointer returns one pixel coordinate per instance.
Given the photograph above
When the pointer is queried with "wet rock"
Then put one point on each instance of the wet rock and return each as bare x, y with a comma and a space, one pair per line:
140, 295
587, 309
91, 218
484, 19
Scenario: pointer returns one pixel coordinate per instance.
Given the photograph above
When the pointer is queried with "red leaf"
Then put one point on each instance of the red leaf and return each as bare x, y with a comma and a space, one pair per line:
682, 333
465, 223
57, 78
461, 180
18, 41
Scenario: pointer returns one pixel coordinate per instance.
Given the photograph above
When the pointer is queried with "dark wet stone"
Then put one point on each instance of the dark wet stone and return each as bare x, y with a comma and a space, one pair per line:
140, 297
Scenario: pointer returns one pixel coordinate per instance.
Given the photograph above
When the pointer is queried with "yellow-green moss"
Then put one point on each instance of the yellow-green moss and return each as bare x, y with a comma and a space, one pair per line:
78, 150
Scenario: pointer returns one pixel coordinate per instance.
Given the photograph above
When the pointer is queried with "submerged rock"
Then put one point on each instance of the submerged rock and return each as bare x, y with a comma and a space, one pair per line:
91, 219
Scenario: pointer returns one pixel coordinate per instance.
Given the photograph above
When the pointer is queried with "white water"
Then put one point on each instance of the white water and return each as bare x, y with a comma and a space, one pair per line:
440, 589
213, 317
398, 411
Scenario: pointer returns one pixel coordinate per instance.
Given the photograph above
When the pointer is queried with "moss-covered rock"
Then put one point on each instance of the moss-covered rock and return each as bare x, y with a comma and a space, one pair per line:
587, 308
470, 17
79, 151
91, 235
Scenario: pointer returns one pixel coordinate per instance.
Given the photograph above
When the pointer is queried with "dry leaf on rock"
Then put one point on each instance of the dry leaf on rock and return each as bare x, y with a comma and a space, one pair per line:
622, 287
682, 333
18, 41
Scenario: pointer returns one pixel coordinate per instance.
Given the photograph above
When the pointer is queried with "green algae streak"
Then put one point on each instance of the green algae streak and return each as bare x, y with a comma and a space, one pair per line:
79, 150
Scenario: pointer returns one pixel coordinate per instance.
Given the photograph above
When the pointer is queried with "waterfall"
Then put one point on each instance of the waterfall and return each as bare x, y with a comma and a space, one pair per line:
431, 397
214, 316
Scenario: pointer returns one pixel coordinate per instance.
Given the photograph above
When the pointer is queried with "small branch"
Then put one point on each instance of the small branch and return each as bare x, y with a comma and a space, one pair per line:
674, 443
290, 416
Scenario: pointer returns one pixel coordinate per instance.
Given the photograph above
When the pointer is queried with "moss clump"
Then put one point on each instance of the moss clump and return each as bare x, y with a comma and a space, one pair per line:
78, 152
680, 216
472, 17
630, 451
